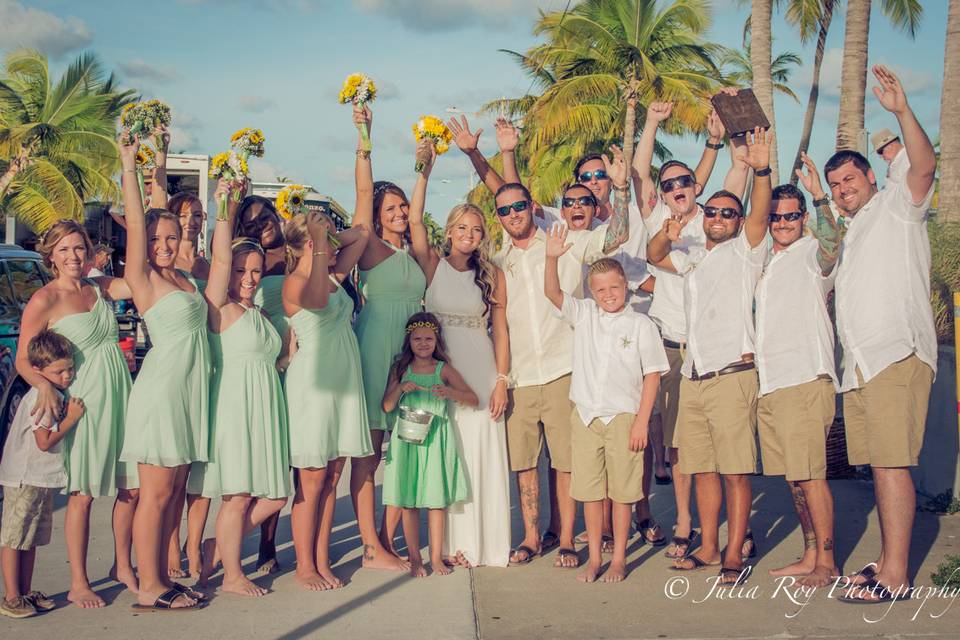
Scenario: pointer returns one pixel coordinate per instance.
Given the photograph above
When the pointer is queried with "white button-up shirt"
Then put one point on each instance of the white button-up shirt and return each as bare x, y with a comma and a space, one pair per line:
667, 306
718, 302
541, 344
883, 286
23, 462
612, 352
897, 171
794, 331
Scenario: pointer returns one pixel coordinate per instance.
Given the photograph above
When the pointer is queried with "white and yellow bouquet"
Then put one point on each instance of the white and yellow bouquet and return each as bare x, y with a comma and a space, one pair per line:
142, 118
231, 166
248, 142
292, 201
359, 89
434, 129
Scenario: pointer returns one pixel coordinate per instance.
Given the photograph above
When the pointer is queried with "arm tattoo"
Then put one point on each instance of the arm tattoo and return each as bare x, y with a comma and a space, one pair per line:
618, 229
827, 233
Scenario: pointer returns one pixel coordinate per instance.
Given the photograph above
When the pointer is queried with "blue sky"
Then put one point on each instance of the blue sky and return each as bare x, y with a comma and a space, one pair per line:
278, 64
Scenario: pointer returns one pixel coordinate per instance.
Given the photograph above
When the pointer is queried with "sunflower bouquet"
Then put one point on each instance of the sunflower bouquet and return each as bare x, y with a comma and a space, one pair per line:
146, 161
433, 129
359, 89
248, 142
142, 118
228, 165
292, 201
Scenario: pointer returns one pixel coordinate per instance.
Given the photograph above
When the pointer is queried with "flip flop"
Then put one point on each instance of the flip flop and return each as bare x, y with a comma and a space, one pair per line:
606, 542
698, 564
549, 541
885, 594
650, 525
752, 550
662, 479
189, 591
740, 575
566, 553
166, 600
686, 543
868, 572
531, 554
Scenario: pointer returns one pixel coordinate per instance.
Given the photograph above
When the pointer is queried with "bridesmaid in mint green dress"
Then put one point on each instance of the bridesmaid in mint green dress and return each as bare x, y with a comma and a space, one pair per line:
249, 466
167, 424
392, 284
324, 386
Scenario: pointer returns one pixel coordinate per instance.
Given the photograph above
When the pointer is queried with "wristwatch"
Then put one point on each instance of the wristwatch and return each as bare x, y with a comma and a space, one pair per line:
762, 173
715, 146
822, 201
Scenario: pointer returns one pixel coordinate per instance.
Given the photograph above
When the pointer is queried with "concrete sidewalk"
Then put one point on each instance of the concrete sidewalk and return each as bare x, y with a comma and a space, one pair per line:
534, 601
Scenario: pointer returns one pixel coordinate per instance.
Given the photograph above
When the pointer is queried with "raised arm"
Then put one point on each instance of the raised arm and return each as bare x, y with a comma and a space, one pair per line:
923, 160
556, 247
736, 179
643, 184
363, 174
158, 191
222, 263
618, 227
825, 228
353, 242
658, 249
501, 346
311, 292
423, 253
136, 270
715, 133
508, 137
467, 142
757, 157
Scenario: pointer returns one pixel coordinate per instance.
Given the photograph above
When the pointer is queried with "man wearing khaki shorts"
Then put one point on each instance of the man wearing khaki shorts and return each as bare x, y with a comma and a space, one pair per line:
716, 425
541, 359
795, 361
886, 326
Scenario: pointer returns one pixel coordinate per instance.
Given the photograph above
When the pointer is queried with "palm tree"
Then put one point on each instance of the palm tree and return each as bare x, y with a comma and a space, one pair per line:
738, 70
905, 15
760, 59
810, 16
949, 203
57, 145
595, 55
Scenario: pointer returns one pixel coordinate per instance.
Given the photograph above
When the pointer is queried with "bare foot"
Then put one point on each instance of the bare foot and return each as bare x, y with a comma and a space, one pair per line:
243, 587
589, 573
149, 599
330, 577
566, 559
820, 577
176, 572
85, 598
382, 559
440, 567
127, 578
800, 568
311, 580
194, 560
462, 561
268, 565
208, 567
616, 572
416, 568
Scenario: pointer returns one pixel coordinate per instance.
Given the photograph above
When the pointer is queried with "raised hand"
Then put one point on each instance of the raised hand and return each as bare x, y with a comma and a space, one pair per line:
128, 152
557, 240
224, 187
756, 152
715, 127
427, 152
657, 112
362, 115
161, 139
672, 227
616, 168
810, 177
318, 226
890, 92
462, 137
508, 136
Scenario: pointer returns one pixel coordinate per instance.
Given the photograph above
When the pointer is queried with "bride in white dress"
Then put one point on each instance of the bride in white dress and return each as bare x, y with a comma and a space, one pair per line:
467, 293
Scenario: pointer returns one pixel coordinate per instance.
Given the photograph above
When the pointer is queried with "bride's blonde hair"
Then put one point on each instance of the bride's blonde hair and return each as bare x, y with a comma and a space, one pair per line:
484, 273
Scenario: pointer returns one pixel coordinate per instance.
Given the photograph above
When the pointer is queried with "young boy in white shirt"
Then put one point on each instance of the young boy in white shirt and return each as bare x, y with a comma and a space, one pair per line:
617, 361
31, 471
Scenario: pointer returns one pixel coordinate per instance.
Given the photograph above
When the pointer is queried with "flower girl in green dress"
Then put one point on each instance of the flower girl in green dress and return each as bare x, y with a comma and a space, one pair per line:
428, 475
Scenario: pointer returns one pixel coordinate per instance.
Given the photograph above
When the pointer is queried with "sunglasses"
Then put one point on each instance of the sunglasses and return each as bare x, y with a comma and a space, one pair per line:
793, 216
725, 212
584, 201
519, 205
680, 182
599, 174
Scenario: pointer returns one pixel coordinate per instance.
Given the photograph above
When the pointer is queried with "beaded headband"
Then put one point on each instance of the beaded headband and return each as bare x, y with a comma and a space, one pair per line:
423, 323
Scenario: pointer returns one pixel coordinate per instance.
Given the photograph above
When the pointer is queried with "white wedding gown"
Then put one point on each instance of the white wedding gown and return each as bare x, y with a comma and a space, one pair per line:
479, 527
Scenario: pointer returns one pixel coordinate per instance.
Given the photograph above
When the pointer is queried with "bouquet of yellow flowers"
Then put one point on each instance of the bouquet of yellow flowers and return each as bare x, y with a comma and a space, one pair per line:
292, 201
146, 161
430, 128
143, 118
248, 142
228, 165
359, 89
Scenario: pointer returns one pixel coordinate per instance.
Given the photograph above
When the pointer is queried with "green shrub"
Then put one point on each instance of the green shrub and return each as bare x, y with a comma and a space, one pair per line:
944, 276
948, 573
944, 503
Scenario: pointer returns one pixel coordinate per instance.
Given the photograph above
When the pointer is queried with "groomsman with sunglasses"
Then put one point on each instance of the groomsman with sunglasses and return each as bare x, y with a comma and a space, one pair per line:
795, 362
716, 423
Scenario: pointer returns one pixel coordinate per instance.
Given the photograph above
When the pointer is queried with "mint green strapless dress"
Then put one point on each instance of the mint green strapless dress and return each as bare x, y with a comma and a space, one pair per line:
249, 450
393, 291
91, 450
429, 475
168, 415
269, 297
324, 387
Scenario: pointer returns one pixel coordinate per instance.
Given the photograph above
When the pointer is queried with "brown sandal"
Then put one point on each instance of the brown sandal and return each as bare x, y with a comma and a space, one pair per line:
679, 542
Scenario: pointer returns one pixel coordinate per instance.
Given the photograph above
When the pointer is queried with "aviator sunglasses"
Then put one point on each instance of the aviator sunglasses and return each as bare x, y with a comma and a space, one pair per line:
519, 205
584, 201
680, 182
587, 176
792, 216
725, 212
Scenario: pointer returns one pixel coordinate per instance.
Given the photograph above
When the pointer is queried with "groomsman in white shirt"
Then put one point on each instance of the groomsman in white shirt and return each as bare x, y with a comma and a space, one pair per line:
795, 363
885, 324
717, 422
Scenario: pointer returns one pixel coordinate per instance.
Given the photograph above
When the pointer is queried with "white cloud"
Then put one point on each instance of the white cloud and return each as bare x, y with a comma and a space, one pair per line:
41, 30
256, 104
181, 140
915, 82
263, 171
139, 69
443, 15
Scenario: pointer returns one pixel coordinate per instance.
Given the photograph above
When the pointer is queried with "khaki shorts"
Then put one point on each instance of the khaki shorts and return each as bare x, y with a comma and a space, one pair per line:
534, 413
603, 465
668, 397
27, 517
717, 424
886, 417
794, 423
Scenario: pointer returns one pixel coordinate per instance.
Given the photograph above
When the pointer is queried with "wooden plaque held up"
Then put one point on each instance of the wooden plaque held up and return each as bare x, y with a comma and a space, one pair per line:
739, 113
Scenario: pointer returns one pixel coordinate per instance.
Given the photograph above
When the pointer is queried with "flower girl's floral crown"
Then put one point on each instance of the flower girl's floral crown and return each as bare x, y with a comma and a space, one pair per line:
413, 326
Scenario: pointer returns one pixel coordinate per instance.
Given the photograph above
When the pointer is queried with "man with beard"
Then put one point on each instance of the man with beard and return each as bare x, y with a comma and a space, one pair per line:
541, 351
886, 327
717, 422
795, 362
